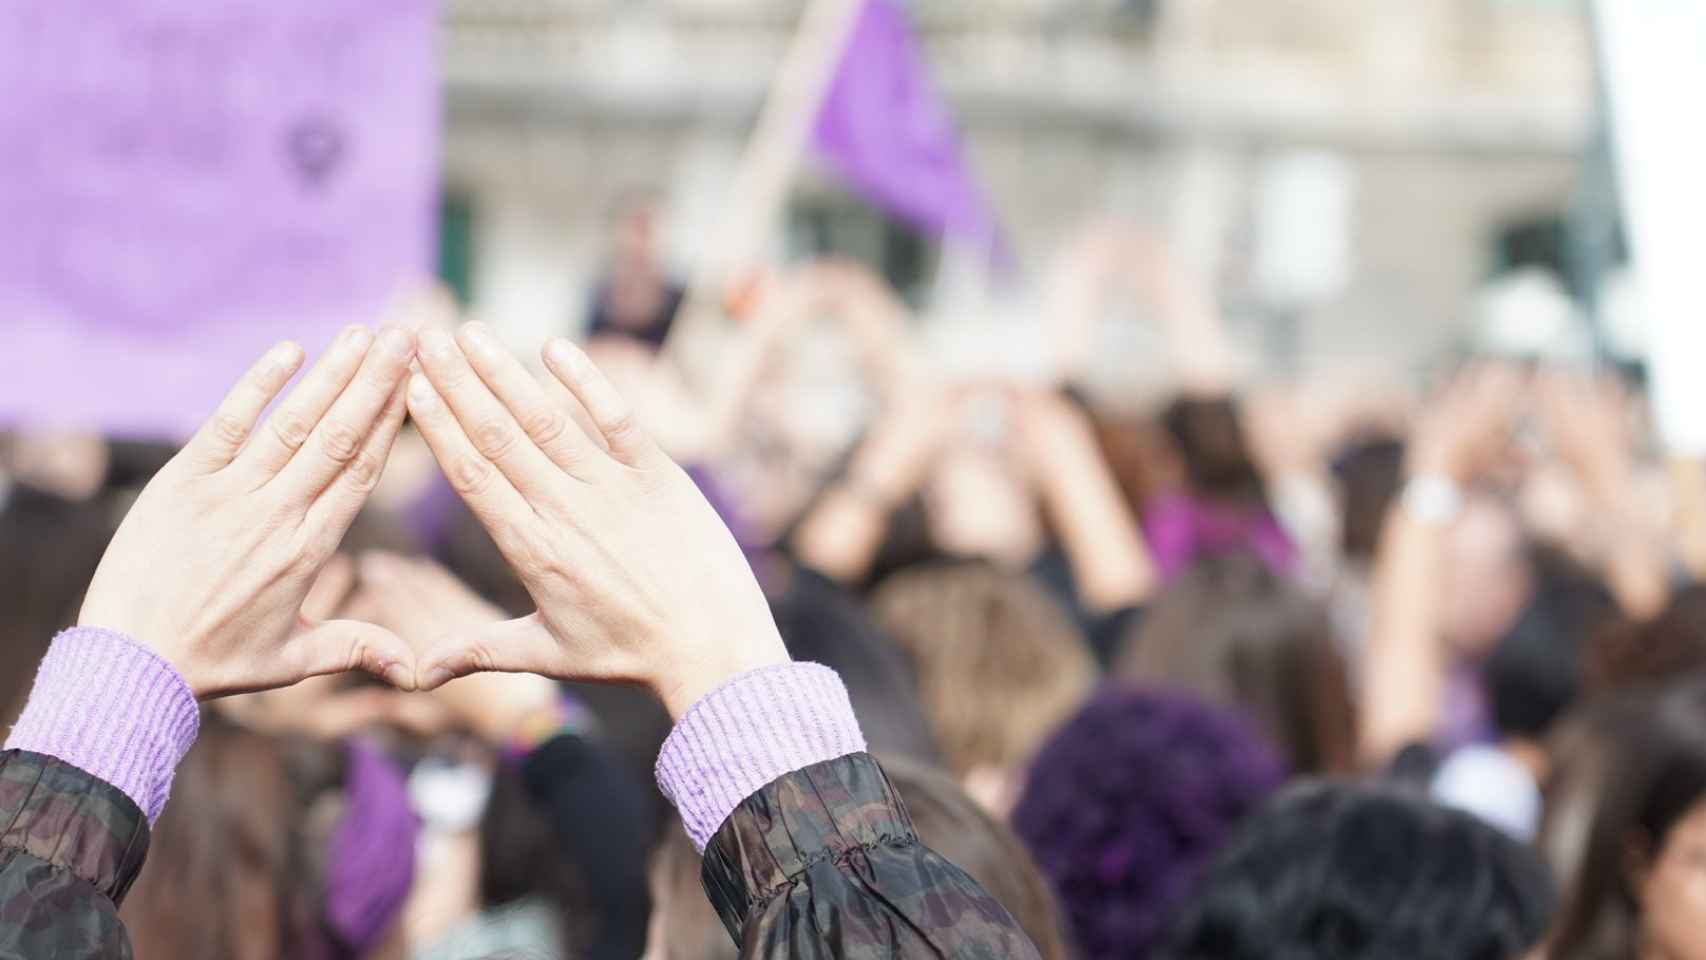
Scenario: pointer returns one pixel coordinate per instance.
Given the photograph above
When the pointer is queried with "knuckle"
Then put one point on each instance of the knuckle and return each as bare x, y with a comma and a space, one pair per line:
470, 475
339, 441
493, 439
363, 472
290, 429
546, 426
621, 426
229, 429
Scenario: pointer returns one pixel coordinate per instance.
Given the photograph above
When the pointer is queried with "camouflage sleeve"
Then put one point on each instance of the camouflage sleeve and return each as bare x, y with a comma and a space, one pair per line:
824, 863
70, 846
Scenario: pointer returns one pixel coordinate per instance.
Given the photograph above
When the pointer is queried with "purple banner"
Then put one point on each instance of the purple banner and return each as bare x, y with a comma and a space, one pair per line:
886, 131
184, 182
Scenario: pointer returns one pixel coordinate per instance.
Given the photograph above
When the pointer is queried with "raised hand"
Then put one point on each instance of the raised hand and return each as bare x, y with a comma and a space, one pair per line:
211, 566
636, 578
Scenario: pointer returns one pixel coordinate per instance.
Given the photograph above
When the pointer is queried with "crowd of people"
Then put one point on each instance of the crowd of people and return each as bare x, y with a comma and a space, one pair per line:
441, 653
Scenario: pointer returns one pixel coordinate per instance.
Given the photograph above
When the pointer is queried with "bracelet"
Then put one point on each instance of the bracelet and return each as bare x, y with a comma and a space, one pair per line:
1432, 498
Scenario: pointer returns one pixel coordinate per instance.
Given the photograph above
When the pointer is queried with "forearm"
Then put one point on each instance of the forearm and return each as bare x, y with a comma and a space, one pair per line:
1111, 566
1405, 679
808, 850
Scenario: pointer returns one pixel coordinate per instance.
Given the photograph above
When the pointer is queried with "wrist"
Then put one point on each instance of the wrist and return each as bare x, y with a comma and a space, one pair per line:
688, 682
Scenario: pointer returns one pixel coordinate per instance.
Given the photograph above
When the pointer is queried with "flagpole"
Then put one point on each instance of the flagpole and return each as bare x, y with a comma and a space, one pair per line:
766, 170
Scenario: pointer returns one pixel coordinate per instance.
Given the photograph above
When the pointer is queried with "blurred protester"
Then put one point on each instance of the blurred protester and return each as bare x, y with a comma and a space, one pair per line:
1235, 633
999, 667
1627, 811
1335, 872
1224, 505
1635, 654
1126, 804
1531, 679
241, 862
636, 299
947, 820
822, 622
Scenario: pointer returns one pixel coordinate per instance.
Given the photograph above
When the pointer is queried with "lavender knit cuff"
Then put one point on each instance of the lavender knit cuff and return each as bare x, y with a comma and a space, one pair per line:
110, 707
759, 726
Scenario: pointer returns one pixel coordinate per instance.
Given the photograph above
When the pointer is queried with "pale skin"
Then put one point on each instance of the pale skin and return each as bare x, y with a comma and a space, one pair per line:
212, 565
636, 578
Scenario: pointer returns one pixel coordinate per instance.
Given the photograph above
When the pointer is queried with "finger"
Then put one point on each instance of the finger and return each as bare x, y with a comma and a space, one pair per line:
338, 505
287, 429
496, 503
486, 423
608, 410
330, 588
216, 444
549, 425
337, 439
510, 646
562, 399
339, 646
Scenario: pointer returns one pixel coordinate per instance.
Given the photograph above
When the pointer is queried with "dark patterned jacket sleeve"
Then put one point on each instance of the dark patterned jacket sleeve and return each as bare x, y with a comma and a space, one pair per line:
824, 863
70, 846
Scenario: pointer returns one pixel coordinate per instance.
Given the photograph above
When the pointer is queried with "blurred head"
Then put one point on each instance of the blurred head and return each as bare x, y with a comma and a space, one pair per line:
1486, 578
684, 927
1535, 673
821, 622
1331, 871
636, 227
1209, 436
1370, 472
1633, 653
1126, 804
305, 847
999, 664
1632, 810
1235, 633
49, 548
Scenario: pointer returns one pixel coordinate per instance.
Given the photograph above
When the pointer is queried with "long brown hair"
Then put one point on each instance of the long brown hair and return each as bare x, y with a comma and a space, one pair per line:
1628, 770
1235, 633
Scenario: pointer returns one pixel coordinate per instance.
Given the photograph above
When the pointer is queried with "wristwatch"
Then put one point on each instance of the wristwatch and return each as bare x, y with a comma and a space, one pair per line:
1432, 498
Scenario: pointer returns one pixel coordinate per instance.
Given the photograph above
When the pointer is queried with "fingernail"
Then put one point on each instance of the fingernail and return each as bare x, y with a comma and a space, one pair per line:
478, 333
396, 342
436, 342
400, 676
421, 393
435, 678
559, 352
285, 354
358, 337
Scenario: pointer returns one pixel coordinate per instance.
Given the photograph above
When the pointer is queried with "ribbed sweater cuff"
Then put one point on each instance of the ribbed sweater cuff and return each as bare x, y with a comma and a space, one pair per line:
759, 726
111, 707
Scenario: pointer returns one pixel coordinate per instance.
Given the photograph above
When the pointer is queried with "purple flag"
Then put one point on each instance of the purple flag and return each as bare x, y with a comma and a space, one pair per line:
183, 183
885, 130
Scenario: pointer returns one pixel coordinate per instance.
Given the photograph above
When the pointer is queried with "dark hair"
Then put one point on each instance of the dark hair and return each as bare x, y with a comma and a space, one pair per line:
1535, 672
1369, 471
1331, 871
232, 870
1127, 803
1643, 770
945, 819
49, 549
821, 622
1209, 435
1633, 653
1239, 635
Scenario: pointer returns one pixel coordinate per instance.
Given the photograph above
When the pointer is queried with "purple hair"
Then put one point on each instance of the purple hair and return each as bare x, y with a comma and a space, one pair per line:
1127, 802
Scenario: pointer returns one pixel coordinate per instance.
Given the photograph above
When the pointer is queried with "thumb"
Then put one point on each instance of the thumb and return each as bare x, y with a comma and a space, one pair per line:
339, 646
524, 645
